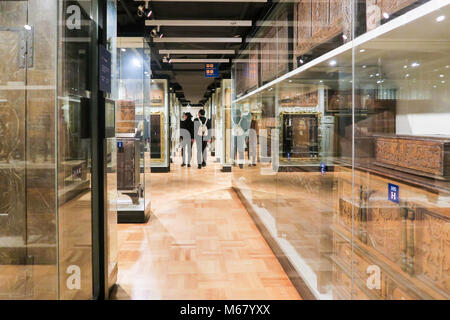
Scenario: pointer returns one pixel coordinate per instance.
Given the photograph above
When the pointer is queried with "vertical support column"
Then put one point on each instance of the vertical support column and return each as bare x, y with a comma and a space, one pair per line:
98, 155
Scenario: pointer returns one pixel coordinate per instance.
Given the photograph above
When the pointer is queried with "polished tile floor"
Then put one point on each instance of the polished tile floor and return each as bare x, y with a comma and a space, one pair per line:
200, 243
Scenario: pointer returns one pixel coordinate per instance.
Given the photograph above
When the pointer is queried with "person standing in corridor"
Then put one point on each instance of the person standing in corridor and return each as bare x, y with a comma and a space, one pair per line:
187, 138
202, 133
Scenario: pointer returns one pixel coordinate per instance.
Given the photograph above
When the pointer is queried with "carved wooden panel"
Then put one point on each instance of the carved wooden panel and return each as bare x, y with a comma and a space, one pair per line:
384, 230
303, 19
283, 47
299, 97
125, 116
418, 155
318, 22
432, 248
319, 16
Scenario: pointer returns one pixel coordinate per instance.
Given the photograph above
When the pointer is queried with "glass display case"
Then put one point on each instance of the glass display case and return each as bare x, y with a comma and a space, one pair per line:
225, 130
46, 88
133, 124
159, 126
351, 180
175, 118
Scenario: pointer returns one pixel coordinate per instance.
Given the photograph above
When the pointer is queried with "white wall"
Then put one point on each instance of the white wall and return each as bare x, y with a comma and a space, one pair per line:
422, 111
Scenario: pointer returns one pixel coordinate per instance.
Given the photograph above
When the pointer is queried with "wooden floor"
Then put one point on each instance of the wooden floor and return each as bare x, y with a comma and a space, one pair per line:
200, 243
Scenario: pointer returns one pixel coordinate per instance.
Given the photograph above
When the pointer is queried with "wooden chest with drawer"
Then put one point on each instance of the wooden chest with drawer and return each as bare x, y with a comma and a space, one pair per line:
409, 242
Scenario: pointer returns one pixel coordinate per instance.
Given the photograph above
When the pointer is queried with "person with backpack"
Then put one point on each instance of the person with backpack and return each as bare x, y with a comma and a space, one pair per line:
202, 133
186, 138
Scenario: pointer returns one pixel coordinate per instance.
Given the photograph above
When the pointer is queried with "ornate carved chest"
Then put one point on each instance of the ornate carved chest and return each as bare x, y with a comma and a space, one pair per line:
425, 156
406, 244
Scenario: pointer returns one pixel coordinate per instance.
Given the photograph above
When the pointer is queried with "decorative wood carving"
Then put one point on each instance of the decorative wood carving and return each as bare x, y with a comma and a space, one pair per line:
318, 22
299, 97
125, 116
409, 241
426, 156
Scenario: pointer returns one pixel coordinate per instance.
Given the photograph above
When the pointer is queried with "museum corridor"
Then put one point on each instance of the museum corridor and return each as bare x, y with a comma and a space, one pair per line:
200, 243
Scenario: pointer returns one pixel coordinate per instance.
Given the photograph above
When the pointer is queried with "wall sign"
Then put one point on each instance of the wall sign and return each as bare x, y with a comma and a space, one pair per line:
211, 70
393, 193
104, 69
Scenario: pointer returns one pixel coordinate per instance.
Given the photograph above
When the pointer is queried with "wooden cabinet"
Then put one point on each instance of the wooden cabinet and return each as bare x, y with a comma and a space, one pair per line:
408, 242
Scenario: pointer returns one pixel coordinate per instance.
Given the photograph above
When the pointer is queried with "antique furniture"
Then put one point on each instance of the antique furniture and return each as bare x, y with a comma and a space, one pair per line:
427, 155
404, 246
128, 155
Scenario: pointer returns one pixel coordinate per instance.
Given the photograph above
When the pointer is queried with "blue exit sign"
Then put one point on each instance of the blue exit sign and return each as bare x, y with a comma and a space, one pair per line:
211, 70
393, 192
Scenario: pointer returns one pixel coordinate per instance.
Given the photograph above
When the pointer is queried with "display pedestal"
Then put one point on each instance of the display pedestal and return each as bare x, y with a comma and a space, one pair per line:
226, 169
132, 216
160, 169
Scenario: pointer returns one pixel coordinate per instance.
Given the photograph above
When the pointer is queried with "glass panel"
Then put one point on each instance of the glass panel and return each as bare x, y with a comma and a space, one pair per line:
132, 131
28, 247
351, 174
401, 135
74, 148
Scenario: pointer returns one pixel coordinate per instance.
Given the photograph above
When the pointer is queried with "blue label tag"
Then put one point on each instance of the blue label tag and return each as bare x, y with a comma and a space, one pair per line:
393, 192
120, 144
323, 168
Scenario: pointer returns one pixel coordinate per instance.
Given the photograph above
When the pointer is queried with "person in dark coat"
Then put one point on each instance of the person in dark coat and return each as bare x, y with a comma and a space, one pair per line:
202, 134
187, 138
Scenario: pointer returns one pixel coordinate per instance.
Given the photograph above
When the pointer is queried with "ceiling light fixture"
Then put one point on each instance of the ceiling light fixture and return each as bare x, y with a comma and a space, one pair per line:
27, 27
144, 10
440, 18
385, 15
333, 63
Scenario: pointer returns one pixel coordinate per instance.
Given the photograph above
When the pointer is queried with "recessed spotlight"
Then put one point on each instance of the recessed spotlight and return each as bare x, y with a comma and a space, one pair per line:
344, 37
362, 50
415, 64
27, 27
407, 75
441, 75
321, 81
405, 67
123, 49
364, 66
333, 63
377, 74
447, 67
385, 15
290, 81
435, 86
301, 61
371, 76
440, 18
443, 81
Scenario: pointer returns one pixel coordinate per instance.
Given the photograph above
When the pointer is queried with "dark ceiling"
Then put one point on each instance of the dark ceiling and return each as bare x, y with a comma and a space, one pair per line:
188, 78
